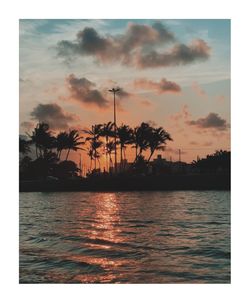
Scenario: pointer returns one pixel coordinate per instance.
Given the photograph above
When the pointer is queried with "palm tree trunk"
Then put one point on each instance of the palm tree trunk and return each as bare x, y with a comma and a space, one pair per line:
110, 162
121, 159
106, 153
151, 154
58, 155
136, 153
67, 154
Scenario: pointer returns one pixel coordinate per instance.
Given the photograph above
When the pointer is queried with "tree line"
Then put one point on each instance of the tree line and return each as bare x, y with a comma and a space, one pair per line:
99, 140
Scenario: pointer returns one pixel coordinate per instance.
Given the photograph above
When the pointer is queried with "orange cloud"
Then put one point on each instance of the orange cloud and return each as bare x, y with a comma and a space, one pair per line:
161, 87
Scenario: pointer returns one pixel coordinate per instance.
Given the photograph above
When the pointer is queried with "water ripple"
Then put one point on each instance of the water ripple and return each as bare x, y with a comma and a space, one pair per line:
128, 237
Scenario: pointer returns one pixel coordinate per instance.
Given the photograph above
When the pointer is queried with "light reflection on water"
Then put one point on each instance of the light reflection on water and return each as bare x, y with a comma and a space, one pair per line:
130, 237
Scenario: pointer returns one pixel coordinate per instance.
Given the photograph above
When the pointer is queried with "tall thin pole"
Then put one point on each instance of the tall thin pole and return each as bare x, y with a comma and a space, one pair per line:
179, 155
114, 91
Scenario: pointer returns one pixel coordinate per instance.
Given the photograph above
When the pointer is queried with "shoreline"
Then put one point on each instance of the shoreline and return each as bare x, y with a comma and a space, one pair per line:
133, 183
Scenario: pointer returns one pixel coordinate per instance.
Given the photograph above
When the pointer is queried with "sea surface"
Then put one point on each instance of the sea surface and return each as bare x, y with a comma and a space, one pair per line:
125, 237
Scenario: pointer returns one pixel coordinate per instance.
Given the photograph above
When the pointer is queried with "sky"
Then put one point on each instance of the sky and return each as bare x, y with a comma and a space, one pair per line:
172, 73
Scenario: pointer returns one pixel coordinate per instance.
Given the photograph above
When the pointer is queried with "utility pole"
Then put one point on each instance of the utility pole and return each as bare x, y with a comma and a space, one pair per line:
114, 91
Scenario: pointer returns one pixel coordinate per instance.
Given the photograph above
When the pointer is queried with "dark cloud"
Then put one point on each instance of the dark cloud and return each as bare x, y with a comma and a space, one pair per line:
122, 93
161, 87
212, 120
136, 47
83, 90
54, 115
138, 35
180, 54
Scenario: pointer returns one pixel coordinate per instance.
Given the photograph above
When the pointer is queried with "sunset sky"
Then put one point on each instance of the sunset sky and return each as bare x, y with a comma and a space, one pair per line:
174, 73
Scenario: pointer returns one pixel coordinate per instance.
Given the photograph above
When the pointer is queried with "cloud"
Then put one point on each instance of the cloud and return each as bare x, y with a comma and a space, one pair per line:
180, 54
122, 93
54, 115
136, 47
182, 115
161, 87
212, 120
198, 90
84, 91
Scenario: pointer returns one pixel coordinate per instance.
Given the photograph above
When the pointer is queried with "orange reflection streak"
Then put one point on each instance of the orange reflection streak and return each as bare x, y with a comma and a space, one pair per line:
104, 228
106, 224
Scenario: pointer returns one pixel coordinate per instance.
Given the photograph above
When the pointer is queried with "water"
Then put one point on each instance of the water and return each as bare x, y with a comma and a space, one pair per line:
127, 237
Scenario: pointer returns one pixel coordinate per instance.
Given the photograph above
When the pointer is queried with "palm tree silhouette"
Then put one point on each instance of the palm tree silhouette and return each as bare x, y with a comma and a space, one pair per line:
24, 146
107, 131
157, 138
61, 143
110, 149
95, 145
125, 136
90, 153
42, 138
73, 142
95, 132
140, 138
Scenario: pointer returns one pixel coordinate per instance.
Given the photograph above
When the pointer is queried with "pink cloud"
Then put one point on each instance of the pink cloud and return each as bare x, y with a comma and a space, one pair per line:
161, 87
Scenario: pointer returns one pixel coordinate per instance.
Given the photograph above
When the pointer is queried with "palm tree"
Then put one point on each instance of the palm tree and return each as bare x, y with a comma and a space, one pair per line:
24, 146
110, 148
107, 131
94, 134
42, 138
140, 138
61, 143
94, 146
157, 138
90, 153
73, 142
125, 136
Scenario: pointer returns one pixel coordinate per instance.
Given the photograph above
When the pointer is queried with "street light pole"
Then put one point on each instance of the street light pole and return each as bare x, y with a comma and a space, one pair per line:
114, 91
